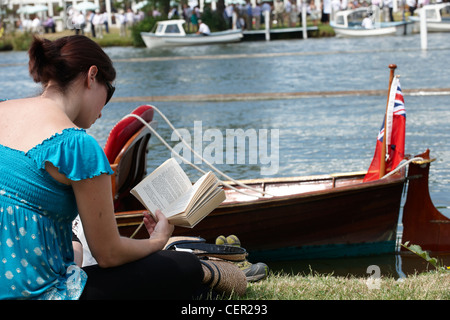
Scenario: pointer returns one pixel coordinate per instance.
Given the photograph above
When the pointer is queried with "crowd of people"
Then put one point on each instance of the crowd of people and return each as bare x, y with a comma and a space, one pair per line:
93, 21
35, 25
248, 16
286, 13
98, 23
281, 13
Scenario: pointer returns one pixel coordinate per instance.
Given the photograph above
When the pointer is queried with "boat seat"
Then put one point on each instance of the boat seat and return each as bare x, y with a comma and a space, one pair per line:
126, 150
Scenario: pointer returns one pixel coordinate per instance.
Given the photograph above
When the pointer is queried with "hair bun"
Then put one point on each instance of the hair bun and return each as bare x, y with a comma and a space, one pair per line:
65, 59
42, 54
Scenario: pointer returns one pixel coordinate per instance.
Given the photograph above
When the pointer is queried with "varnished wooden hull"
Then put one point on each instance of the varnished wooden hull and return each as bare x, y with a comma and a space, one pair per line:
336, 215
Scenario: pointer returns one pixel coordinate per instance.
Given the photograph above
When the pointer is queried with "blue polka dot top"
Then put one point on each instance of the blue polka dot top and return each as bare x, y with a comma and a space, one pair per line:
36, 214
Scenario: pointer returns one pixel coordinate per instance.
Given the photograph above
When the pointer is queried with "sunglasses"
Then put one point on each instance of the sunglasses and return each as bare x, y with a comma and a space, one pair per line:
110, 92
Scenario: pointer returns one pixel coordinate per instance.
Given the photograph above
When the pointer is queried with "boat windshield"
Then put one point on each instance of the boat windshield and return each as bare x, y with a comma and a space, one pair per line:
340, 20
172, 28
355, 18
159, 28
445, 13
431, 14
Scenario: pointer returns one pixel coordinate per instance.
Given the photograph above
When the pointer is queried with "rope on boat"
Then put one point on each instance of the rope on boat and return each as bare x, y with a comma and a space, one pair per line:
196, 154
398, 168
401, 165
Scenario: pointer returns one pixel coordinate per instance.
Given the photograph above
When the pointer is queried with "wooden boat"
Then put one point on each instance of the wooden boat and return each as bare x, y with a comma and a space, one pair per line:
170, 33
318, 216
437, 17
348, 23
324, 216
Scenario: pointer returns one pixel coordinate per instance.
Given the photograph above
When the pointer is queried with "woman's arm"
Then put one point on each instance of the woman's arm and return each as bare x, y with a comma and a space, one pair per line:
78, 253
96, 210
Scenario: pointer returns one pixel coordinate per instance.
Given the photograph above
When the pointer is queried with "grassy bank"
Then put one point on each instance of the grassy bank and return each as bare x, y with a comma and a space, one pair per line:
19, 41
424, 286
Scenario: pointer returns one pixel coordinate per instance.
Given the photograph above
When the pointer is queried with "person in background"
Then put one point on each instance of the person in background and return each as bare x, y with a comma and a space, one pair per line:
388, 7
79, 23
293, 16
49, 25
326, 11
97, 21
36, 25
367, 22
195, 17
266, 7
122, 21
91, 22
105, 21
279, 12
314, 13
248, 15
173, 13
129, 18
256, 13
203, 28
187, 13
412, 6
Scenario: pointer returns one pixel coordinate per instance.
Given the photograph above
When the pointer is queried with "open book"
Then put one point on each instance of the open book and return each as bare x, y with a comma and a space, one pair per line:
169, 189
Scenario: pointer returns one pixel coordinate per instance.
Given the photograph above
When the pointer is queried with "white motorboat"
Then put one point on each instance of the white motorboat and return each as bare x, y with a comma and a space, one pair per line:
349, 23
170, 33
437, 17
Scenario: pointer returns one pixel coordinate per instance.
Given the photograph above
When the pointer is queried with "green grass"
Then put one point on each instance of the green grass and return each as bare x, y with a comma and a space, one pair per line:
424, 286
112, 38
19, 41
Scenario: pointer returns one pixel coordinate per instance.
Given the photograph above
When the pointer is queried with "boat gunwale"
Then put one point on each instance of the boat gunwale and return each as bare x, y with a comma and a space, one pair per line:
273, 200
302, 195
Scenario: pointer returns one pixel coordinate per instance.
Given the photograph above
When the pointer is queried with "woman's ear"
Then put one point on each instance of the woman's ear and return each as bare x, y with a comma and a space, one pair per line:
92, 73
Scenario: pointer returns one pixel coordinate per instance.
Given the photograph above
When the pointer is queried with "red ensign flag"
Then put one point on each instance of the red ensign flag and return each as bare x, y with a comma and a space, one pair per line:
395, 134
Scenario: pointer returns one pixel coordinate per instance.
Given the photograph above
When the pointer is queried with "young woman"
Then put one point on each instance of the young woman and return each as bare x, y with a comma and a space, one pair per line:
52, 170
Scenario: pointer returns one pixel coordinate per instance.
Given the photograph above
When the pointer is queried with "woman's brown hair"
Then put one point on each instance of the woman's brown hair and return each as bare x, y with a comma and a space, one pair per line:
64, 59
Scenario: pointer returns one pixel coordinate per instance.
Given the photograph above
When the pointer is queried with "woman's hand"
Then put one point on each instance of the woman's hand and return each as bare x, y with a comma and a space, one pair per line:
159, 229
108, 247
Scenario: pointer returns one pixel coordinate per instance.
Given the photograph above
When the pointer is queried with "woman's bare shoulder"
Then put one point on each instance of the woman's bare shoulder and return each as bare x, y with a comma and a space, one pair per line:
25, 123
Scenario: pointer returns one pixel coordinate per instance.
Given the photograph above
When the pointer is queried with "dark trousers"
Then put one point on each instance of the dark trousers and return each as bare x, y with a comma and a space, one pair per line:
162, 275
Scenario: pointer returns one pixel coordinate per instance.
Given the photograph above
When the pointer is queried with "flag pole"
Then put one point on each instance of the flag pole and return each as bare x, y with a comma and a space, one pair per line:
383, 151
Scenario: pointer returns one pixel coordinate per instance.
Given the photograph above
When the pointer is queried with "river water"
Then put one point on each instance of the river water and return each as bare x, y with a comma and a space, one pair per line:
322, 133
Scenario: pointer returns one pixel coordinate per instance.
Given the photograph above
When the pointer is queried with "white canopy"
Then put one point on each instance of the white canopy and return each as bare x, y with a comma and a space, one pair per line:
32, 9
86, 6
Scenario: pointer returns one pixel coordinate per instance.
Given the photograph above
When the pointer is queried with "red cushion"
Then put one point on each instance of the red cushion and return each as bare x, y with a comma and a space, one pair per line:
124, 130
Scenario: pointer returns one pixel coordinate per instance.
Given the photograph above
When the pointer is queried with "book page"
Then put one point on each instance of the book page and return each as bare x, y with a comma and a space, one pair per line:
185, 200
163, 187
200, 212
204, 188
210, 193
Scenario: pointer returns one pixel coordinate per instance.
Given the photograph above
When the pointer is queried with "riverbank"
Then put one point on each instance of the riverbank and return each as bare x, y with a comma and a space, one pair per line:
21, 41
431, 285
